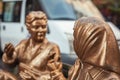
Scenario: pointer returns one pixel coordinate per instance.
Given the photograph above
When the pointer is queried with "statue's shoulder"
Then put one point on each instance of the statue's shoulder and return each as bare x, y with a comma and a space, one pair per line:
22, 43
102, 74
53, 44
114, 76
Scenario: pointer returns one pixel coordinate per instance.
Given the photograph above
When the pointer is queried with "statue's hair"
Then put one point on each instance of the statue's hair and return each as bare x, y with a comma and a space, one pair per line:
86, 31
35, 15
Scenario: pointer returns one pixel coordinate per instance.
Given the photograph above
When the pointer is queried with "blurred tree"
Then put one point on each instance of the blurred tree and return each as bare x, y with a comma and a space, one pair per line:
110, 10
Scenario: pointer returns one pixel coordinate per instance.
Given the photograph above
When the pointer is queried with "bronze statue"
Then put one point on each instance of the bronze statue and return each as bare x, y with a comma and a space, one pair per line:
97, 51
4, 75
36, 57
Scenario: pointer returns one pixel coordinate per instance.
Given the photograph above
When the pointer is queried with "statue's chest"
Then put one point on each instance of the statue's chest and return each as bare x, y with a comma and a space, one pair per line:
29, 54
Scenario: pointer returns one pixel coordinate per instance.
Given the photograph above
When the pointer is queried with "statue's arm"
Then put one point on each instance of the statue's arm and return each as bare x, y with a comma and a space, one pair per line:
75, 70
55, 64
9, 55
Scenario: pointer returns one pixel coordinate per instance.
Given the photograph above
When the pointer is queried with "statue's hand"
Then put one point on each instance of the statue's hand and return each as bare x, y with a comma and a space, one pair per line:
9, 49
52, 65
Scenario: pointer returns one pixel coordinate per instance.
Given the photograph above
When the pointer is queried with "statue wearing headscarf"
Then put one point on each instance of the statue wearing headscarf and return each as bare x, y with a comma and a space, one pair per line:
97, 51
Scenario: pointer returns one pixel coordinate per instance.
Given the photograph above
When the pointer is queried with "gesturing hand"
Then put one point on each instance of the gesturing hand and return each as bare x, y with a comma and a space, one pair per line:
9, 49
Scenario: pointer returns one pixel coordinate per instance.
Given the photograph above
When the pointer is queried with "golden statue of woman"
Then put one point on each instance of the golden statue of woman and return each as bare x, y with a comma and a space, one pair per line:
97, 51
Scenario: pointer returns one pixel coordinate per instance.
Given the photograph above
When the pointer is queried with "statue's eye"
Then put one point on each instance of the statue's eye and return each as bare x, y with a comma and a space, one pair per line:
35, 27
43, 26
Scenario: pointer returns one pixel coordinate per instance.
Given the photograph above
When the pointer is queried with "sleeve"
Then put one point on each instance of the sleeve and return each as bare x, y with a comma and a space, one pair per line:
55, 65
13, 60
74, 71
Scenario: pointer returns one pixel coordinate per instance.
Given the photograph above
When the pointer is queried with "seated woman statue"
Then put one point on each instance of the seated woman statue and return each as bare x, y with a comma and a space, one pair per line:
97, 51
36, 57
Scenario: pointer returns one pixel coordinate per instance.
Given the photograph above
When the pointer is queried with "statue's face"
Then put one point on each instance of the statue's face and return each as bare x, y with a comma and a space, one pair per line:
38, 30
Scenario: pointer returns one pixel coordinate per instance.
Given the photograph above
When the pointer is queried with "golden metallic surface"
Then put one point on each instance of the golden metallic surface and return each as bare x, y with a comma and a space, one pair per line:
36, 57
97, 51
4, 75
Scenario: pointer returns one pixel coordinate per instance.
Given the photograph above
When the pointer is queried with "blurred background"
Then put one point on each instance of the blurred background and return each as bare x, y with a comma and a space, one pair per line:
110, 9
61, 17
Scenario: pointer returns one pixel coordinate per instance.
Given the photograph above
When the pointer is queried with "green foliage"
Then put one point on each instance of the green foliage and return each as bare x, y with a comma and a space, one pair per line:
115, 10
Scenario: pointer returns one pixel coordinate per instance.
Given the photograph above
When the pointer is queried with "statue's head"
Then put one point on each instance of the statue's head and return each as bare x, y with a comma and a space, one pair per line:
36, 22
88, 32
95, 43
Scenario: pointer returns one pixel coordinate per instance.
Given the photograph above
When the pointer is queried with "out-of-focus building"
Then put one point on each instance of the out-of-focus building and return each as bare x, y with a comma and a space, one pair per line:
85, 8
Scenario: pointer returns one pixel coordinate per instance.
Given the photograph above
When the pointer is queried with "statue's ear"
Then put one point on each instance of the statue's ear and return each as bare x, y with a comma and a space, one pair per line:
28, 26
